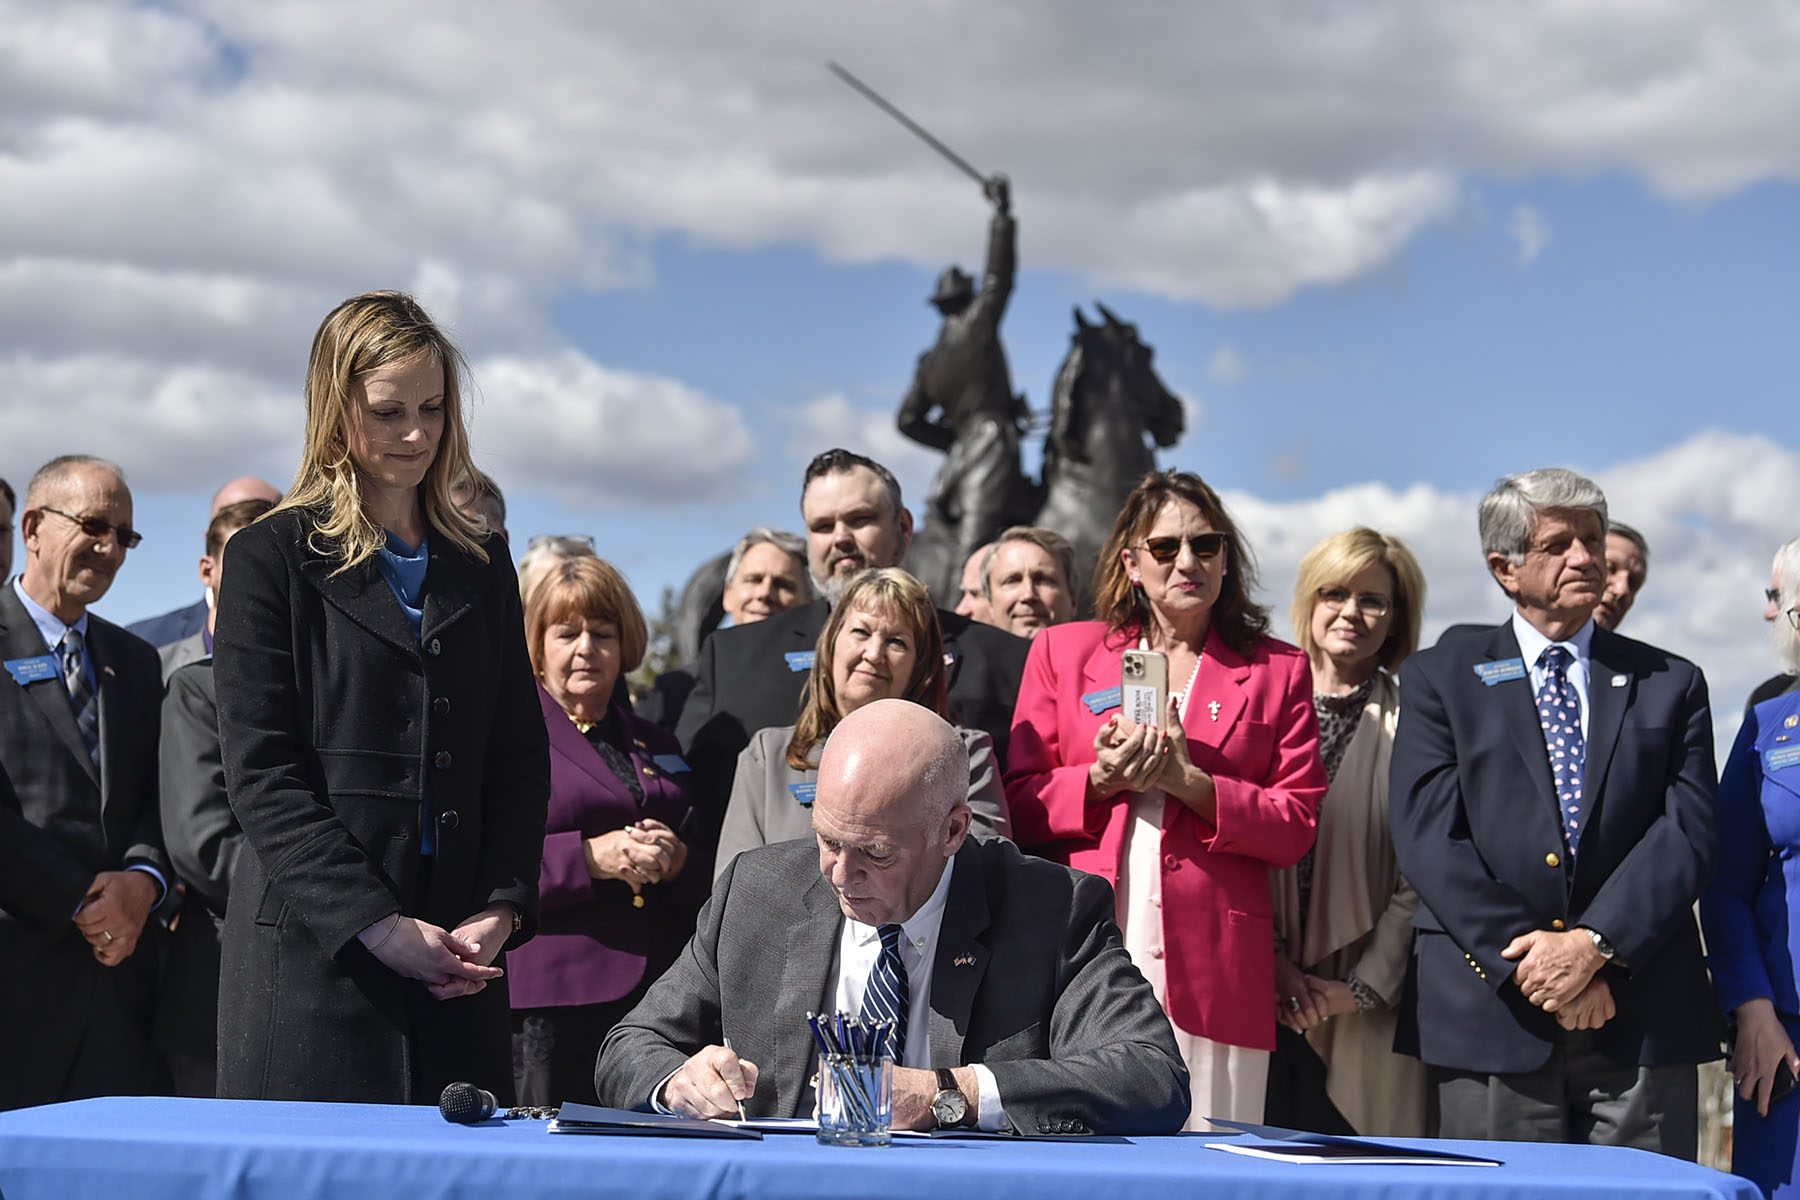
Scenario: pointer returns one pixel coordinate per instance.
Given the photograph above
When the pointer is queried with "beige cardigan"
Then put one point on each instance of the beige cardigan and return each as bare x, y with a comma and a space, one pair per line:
1359, 923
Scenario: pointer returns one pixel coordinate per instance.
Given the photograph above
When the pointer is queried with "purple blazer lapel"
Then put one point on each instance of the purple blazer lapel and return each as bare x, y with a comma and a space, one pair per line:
567, 741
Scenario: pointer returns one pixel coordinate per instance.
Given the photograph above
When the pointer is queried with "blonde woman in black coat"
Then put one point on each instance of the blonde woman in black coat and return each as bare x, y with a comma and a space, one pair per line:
383, 746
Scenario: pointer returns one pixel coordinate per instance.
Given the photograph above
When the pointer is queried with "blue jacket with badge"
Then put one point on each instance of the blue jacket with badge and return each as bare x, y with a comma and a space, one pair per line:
1751, 912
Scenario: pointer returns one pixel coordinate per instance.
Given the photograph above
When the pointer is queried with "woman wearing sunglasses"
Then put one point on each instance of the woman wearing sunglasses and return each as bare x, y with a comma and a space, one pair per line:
1751, 916
1343, 914
1184, 816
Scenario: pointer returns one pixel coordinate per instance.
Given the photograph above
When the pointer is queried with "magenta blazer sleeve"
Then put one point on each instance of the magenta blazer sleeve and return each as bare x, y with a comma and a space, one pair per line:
1047, 763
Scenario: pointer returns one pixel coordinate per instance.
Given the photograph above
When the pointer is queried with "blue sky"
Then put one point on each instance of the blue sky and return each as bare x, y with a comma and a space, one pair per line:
1386, 251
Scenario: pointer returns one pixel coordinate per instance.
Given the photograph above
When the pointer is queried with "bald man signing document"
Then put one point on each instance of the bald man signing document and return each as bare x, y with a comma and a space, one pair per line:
1019, 995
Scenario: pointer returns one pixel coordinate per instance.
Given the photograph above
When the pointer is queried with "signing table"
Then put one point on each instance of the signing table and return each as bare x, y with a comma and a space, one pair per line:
149, 1149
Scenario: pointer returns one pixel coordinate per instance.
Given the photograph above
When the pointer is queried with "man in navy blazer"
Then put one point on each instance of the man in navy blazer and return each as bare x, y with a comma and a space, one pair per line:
1552, 796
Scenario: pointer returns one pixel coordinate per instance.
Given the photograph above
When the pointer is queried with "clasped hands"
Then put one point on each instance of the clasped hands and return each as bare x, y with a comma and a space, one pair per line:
1129, 757
1559, 972
712, 1082
644, 852
1303, 1001
113, 912
450, 963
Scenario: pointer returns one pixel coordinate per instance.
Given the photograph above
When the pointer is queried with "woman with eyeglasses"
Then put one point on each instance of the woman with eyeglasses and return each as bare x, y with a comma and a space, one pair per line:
1185, 814
1751, 916
381, 744
1343, 913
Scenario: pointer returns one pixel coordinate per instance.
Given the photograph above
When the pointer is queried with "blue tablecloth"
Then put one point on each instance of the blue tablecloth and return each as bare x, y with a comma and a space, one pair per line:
148, 1149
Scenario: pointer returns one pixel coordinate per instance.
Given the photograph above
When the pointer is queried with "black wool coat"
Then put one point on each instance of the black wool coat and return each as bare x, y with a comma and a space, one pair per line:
341, 733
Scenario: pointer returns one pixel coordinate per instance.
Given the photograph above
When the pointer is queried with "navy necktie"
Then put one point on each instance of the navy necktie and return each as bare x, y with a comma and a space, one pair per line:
888, 994
81, 695
1559, 713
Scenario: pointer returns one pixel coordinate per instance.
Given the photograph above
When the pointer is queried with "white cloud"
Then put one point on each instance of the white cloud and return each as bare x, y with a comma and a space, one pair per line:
592, 435
1530, 232
1712, 507
1227, 365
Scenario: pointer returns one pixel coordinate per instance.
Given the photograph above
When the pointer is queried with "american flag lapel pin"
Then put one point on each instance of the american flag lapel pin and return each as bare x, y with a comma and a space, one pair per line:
963, 960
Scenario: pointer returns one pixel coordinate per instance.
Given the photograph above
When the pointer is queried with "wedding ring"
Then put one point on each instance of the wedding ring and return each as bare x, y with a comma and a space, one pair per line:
106, 934
1293, 1004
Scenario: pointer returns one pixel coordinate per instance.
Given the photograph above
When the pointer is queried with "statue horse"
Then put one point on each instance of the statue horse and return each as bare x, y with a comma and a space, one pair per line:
1106, 398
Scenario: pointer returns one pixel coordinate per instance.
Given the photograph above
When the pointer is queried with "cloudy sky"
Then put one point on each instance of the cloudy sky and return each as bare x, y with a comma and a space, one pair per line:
1385, 251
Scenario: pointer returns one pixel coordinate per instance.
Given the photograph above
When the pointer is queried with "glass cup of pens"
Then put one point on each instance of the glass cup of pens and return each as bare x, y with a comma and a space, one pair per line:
856, 1080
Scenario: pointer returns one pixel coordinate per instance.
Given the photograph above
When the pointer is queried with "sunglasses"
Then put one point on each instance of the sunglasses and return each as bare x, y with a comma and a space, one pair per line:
1369, 604
1772, 595
95, 528
1201, 545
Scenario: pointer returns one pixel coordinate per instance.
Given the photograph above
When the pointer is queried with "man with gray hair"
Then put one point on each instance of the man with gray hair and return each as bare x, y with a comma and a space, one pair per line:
1627, 567
1028, 580
1016, 1006
82, 865
1552, 802
1782, 594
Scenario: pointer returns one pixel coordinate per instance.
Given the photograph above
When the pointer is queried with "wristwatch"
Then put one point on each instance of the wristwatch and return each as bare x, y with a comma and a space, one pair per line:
950, 1108
1600, 943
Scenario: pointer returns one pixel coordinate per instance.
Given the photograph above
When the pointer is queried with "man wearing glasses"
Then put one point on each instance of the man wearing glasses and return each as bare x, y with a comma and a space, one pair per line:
1552, 798
82, 865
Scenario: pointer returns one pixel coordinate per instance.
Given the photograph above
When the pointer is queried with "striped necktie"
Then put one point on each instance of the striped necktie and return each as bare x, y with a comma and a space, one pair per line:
81, 694
887, 996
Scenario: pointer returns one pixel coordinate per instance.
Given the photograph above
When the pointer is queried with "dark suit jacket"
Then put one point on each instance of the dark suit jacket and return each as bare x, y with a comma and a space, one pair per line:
668, 695
1479, 833
594, 945
744, 682
167, 628
337, 727
1031, 979
204, 842
64, 823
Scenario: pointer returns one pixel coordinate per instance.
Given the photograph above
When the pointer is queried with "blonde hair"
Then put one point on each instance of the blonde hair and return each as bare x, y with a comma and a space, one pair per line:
1342, 555
890, 590
590, 588
366, 332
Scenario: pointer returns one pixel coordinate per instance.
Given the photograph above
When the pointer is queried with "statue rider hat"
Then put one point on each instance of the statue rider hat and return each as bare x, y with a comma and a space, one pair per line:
953, 287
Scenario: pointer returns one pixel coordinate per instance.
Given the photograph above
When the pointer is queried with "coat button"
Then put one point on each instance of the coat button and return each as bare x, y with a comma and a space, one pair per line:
1171, 863
1557, 924
442, 761
441, 706
434, 647
637, 900
1551, 860
448, 819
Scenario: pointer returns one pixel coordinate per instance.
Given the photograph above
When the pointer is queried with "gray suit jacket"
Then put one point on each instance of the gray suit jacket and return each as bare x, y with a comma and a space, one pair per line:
764, 809
1031, 979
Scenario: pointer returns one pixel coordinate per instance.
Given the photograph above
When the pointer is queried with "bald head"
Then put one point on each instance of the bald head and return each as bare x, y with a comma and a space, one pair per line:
245, 487
891, 808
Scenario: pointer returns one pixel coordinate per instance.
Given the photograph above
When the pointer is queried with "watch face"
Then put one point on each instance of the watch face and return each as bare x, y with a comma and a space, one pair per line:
949, 1108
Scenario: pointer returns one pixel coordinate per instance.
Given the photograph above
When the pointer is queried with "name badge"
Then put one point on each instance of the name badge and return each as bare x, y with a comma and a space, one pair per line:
800, 660
33, 670
672, 764
1099, 702
1780, 759
1500, 670
803, 792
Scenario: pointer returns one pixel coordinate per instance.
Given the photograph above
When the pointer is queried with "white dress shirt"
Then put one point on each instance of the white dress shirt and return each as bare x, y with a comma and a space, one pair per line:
859, 946
1532, 645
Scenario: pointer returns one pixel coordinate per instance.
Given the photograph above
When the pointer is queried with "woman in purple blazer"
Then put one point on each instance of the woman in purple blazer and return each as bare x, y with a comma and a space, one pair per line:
617, 901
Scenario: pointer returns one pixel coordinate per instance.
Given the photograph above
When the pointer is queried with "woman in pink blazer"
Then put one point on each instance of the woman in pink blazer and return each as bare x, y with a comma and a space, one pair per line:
1185, 816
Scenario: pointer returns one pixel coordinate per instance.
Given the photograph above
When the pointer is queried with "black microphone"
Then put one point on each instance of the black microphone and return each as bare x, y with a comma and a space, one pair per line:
466, 1104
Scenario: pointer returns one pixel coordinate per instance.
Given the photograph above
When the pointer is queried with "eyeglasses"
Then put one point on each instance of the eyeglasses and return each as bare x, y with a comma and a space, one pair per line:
1369, 604
1201, 545
95, 528
1793, 616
